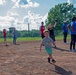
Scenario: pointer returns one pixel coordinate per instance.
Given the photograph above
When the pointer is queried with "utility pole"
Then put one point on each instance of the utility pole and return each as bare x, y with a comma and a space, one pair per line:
28, 30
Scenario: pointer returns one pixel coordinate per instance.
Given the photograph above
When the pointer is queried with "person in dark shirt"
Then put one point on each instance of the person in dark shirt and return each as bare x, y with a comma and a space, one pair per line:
51, 31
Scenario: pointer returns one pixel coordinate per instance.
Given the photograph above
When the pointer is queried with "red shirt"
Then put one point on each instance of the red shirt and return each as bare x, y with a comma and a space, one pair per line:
4, 33
42, 28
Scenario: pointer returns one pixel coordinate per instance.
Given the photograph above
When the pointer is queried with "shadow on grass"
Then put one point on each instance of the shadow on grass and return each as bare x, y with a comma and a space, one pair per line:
61, 71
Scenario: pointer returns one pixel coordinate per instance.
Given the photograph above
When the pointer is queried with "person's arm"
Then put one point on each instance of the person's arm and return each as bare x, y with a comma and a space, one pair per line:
40, 30
54, 44
40, 33
55, 24
49, 26
68, 26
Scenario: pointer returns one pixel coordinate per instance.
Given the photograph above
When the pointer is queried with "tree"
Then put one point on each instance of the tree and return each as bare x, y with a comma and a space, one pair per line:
60, 12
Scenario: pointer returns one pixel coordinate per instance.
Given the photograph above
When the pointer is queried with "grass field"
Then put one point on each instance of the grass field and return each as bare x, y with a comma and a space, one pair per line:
32, 38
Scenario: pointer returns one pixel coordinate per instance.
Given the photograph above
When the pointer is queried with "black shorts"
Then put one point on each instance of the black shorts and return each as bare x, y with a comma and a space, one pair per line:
4, 36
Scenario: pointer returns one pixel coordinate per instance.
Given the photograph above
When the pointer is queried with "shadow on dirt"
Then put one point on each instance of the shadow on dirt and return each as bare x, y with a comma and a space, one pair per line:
61, 49
61, 71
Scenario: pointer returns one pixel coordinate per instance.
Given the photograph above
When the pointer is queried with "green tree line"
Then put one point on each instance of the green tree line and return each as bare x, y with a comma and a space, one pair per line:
23, 33
61, 12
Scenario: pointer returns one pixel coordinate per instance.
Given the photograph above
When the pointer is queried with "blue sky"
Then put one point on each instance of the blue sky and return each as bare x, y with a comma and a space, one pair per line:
18, 13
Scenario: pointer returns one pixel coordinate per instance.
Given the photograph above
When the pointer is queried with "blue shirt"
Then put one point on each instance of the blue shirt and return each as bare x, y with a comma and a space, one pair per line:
64, 28
73, 31
15, 34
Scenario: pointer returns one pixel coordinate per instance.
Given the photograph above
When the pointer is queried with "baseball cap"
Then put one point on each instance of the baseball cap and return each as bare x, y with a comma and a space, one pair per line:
46, 30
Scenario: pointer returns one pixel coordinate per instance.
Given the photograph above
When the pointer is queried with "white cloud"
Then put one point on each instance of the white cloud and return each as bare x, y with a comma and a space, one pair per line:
13, 0
2, 2
4, 22
25, 4
72, 1
10, 20
34, 20
68, 1
12, 14
14, 17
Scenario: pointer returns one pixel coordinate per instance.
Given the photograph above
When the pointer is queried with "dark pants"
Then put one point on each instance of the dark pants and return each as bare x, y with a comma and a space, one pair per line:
14, 40
65, 37
73, 40
42, 35
53, 37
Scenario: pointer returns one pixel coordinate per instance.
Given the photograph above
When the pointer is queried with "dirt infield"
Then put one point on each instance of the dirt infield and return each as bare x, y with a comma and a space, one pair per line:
26, 59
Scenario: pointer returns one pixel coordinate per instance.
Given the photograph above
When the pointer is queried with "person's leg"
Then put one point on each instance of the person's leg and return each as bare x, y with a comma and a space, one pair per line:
71, 43
49, 52
74, 42
65, 37
13, 40
54, 40
42, 35
50, 57
53, 37
5, 41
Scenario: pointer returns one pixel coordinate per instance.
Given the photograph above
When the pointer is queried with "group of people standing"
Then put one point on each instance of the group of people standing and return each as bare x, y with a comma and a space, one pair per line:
72, 28
48, 36
50, 28
65, 28
14, 35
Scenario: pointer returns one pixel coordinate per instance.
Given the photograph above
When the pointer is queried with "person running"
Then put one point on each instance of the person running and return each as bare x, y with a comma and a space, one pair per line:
73, 34
65, 31
46, 42
14, 36
51, 31
42, 28
4, 36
